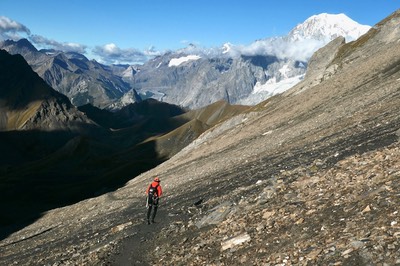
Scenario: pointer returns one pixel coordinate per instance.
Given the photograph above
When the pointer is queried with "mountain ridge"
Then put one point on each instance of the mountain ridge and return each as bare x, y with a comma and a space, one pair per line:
82, 80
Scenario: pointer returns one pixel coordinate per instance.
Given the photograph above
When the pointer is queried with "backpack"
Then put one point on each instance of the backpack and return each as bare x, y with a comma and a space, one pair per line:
152, 194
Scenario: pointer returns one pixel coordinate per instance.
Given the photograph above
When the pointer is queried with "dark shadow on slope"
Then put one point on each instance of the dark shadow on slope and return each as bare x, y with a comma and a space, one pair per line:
60, 175
135, 113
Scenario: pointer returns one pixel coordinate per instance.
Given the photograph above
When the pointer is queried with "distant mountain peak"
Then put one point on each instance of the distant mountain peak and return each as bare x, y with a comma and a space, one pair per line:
23, 43
328, 26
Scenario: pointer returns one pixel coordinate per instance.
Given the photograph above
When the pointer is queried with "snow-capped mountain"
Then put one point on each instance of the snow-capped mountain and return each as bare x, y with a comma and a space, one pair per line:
304, 39
328, 27
194, 77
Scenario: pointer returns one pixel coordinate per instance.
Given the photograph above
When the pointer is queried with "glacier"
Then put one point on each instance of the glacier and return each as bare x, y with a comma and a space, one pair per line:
181, 60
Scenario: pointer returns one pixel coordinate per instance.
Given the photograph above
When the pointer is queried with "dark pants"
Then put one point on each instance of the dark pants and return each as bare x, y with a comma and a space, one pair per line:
152, 205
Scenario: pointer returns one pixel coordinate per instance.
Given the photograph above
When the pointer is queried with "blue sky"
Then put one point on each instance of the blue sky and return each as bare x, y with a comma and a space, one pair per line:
105, 29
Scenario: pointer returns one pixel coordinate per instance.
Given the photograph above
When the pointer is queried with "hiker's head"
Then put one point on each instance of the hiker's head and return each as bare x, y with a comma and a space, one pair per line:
157, 179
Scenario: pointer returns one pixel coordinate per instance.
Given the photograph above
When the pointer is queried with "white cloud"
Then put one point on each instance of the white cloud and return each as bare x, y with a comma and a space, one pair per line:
110, 48
280, 47
108, 54
112, 54
152, 52
44, 42
11, 29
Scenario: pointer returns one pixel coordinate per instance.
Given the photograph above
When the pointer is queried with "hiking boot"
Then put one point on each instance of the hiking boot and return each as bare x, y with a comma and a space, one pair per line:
148, 221
153, 222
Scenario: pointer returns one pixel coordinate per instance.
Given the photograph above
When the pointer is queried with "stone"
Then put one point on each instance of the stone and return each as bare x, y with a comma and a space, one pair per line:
120, 227
314, 253
357, 244
234, 241
216, 215
366, 209
268, 214
347, 251
391, 246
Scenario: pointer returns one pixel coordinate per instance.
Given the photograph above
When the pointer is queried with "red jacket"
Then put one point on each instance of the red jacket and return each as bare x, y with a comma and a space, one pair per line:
154, 184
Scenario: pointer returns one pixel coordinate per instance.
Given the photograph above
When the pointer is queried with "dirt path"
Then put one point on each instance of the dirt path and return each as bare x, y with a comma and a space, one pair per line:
134, 249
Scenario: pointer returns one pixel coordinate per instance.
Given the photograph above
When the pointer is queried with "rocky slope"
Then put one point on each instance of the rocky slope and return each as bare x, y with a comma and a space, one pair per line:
309, 177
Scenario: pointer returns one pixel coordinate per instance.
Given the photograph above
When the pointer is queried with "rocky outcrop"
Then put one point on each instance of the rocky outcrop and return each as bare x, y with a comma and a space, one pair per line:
320, 65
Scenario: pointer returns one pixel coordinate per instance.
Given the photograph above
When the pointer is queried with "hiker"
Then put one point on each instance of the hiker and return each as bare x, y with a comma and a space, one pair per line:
154, 193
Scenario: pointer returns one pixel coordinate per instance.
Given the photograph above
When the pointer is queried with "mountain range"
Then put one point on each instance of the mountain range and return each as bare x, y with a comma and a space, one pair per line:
305, 177
82, 80
192, 77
